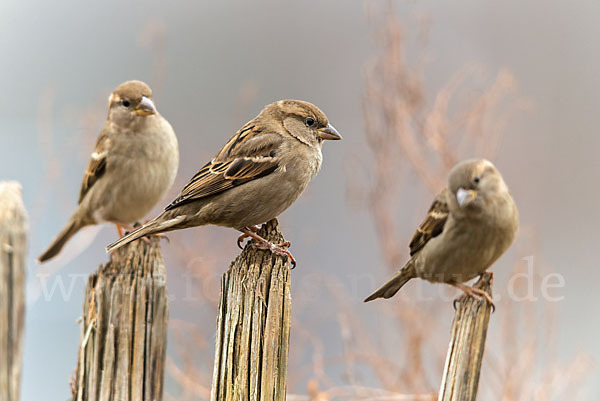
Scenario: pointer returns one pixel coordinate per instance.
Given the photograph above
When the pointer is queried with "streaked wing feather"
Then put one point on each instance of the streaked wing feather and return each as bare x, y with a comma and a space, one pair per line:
250, 168
433, 225
96, 166
247, 156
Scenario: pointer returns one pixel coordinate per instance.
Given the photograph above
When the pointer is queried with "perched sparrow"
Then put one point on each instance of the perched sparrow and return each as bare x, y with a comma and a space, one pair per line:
133, 164
469, 225
257, 175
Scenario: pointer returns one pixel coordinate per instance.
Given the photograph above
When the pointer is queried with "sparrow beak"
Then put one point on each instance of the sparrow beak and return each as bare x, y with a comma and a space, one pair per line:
465, 196
329, 132
146, 107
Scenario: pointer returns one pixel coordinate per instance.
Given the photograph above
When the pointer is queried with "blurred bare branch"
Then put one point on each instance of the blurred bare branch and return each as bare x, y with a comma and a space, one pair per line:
413, 144
408, 136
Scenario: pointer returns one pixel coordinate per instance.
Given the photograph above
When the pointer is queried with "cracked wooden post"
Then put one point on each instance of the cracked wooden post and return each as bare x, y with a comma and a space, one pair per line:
124, 328
253, 325
13, 249
467, 342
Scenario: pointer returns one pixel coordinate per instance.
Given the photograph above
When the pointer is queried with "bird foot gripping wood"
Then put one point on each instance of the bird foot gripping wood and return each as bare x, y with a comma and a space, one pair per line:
261, 243
475, 293
242, 237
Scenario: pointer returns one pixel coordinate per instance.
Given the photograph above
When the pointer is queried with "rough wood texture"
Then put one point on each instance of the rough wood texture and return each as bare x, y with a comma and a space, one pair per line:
124, 328
13, 248
467, 342
253, 325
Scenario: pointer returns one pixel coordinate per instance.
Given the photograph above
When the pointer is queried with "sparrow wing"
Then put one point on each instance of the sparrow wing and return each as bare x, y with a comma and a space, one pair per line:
433, 225
96, 166
247, 156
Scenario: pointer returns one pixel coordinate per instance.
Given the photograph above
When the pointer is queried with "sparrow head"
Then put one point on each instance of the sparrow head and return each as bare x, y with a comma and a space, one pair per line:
302, 120
130, 103
473, 183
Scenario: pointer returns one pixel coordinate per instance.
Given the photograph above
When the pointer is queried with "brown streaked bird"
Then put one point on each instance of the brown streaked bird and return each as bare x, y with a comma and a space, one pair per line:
257, 175
133, 164
469, 225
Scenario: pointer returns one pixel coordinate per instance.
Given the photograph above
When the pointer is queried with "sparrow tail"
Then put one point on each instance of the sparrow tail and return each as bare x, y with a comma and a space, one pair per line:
392, 286
152, 227
61, 239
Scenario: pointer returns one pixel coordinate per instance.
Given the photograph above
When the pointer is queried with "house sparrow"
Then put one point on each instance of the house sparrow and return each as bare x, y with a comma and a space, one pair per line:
257, 175
469, 225
134, 163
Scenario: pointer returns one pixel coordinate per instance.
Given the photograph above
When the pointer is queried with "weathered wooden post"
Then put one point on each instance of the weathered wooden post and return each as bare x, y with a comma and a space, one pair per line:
467, 342
253, 325
13, 248
124, 328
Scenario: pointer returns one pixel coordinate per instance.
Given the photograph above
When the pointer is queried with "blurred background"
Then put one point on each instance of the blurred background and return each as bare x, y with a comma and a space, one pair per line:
413, 86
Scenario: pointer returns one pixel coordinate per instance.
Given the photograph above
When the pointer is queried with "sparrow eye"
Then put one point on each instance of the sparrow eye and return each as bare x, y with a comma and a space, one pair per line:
126, 103
309, 121
476, 180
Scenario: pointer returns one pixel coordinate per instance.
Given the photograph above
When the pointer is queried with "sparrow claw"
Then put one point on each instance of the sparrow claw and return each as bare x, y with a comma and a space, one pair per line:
261, 243
240, 240
277, 249
292, 260
245, 235
483, 295
474, 293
